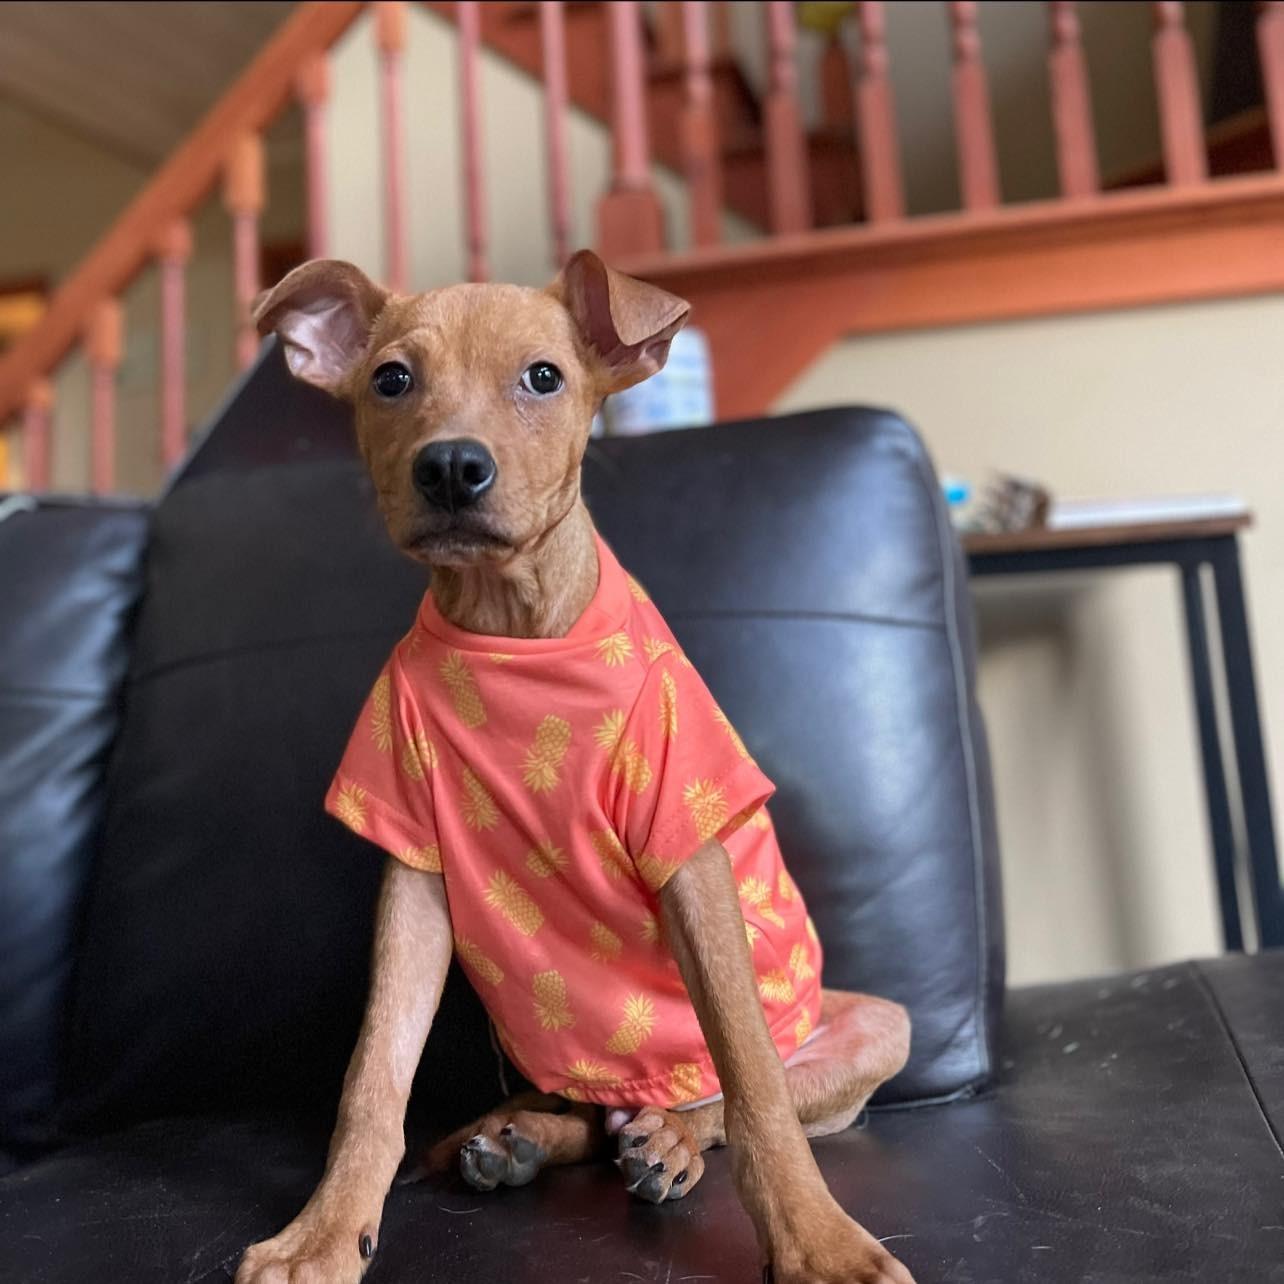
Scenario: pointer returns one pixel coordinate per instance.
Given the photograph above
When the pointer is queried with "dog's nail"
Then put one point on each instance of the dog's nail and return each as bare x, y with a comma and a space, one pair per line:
367, 1247
658, 1166
680, 1178
630, 1142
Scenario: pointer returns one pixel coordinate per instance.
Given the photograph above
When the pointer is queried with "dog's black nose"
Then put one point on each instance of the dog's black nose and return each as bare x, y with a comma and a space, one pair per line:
454, 474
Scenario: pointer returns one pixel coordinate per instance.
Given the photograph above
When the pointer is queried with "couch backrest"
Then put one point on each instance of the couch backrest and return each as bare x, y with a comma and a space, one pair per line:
70, 575
805, 563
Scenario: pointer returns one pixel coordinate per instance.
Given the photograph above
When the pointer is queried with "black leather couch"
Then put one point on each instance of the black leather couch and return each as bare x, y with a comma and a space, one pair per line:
183, 933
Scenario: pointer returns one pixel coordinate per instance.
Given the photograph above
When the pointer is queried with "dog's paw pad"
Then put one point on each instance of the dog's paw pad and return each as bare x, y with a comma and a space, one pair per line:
506, 1159
658, 1157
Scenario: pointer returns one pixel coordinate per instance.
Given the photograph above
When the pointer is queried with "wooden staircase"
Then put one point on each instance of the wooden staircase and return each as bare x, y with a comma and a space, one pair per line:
824, 245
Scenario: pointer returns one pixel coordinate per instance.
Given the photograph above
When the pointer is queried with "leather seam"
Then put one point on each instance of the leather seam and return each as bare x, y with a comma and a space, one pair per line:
1211, 996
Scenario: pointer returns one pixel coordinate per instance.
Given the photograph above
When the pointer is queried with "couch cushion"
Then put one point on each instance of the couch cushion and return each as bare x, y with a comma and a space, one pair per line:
1123, 1146
828, 615
71, 572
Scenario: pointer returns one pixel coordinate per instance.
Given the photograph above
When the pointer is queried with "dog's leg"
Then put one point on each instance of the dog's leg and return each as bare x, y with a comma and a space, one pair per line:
332, 1240
510, 1145
804, 1234
860, 1042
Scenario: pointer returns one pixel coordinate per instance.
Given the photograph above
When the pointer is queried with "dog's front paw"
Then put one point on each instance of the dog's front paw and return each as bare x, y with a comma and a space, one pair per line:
833, 1249
659, 1158
500, 1153
312, 1250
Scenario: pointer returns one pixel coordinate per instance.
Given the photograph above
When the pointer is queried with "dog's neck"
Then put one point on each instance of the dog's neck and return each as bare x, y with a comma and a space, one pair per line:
538, 593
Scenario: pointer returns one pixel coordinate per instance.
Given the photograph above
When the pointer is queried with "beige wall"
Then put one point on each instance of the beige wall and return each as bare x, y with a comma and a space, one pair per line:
1084, 679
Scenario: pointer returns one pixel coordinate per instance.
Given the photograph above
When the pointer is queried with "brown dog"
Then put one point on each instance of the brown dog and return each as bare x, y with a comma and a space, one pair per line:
472, 361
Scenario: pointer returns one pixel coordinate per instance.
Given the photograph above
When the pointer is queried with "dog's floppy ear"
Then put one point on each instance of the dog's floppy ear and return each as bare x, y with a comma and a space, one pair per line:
323, 312
628, 323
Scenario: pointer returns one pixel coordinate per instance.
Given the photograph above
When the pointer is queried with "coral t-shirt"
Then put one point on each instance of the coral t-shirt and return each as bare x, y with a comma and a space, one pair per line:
557, 784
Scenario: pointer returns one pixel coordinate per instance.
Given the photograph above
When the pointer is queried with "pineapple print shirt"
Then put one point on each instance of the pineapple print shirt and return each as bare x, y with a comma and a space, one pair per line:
557, 784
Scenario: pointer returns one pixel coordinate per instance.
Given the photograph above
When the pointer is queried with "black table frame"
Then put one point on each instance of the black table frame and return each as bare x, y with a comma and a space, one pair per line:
1219, 552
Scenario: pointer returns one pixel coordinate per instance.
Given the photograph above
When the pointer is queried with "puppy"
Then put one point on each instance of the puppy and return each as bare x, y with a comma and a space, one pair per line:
565, 806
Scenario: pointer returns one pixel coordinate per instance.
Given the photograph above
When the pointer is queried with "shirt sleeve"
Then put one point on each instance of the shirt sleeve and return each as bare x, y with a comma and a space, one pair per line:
679, 774
382, 789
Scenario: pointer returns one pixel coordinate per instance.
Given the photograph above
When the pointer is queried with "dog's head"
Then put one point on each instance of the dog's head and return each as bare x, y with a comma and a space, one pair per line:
473, 403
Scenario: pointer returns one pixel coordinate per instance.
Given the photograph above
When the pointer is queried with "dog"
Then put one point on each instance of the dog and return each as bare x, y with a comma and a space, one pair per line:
565, 807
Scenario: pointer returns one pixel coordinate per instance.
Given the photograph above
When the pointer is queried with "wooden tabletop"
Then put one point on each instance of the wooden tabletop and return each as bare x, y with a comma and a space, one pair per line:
1039, 538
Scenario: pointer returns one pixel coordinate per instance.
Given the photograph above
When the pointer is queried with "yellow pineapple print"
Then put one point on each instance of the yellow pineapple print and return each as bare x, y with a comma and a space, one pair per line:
589, 1074
462, 686
505, 894
605, 944
708, 807
551, 1007
751, 934
542, 768
610, 851
381, 713
786, 887
656, 872
776, 985
802, 1028
635, 1029
615, 650
350, 807
684, 1082
650, 929
478, 962
811, 930
546, 859
426, 858
721, 718
418, 756
499, 657
655, 648
800, 964
755, 892
752, 815
625, 757
479, 810
668, 706
639, 593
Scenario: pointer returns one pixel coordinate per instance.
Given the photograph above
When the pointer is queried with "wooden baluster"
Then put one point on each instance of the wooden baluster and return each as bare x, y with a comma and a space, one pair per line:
721, 28
390, 35
104, 348
973, 130
879, 143
1071, 104
699, 128
630, 219
552, 32
469, 15
312, 88
1270, 49
173, 251
670, 32
1177, 85
37, 435
788, 185
243, 193
837, 108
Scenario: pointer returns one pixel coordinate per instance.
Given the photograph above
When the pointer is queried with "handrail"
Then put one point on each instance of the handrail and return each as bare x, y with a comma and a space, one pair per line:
182, 182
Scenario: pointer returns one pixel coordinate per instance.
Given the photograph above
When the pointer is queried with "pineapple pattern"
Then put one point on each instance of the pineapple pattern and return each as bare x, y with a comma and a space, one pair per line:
635, 1029
426, 858
636, 589
552, 1010
684, 1082
350, 807
811, 931
546, 859
476, 961
707, 804
418, 757
542, 768
381, 713
479, 810
604, 944
567, 801
464, 694
505, 894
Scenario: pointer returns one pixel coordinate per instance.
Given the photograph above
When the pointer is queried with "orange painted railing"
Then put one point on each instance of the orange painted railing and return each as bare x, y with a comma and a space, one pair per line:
663, 84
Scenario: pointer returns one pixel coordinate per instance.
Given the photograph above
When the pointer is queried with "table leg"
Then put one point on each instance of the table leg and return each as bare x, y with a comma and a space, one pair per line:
1215, 792
1250, 754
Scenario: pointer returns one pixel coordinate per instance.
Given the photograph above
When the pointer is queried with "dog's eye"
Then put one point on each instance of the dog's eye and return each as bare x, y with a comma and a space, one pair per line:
392, 379
542, 378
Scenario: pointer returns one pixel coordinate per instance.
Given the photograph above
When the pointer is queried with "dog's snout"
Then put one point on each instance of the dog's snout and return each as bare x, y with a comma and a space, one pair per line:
454, 474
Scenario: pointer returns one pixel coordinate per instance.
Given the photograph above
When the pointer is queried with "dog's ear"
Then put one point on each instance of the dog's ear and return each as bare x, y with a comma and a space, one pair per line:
628, 323
323, 311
